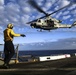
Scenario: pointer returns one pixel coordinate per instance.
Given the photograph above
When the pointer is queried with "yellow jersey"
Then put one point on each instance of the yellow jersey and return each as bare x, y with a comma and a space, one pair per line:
9, 34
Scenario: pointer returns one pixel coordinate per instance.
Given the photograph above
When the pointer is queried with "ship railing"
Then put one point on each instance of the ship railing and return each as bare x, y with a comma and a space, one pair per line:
15, 57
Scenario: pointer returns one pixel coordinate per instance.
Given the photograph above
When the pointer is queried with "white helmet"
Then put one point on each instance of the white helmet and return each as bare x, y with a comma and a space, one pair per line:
10, 26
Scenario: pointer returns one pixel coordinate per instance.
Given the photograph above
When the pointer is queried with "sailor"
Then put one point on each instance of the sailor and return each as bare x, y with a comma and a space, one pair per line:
8, 44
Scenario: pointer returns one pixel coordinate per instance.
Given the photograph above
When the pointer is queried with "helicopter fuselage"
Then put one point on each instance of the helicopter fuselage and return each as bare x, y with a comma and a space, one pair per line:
48, 24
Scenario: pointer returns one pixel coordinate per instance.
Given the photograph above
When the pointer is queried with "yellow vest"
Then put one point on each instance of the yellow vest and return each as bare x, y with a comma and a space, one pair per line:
9, 34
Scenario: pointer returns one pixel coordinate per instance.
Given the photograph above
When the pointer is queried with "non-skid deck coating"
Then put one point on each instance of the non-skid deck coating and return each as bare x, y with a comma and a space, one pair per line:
57, 67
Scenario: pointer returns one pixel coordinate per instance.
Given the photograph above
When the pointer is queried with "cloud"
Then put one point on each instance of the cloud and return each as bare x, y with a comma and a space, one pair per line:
71, 19
61, 44
66, 17
64, 3
19, 12
1, 2
1, 10
58, 15
72, 7
73, 12
26, 9
1, 30
56, 8
48, 5
66, 13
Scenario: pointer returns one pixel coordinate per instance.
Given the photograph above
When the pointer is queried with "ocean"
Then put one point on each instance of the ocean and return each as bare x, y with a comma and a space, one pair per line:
46, 52
25, 55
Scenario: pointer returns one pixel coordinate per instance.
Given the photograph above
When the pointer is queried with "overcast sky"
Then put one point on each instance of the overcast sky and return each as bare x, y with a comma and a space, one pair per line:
19, 12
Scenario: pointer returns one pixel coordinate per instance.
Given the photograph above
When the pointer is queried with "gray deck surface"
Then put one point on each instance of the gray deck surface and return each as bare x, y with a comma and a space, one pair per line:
65, 66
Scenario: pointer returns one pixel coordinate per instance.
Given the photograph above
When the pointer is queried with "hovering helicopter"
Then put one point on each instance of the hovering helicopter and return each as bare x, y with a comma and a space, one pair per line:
48, 23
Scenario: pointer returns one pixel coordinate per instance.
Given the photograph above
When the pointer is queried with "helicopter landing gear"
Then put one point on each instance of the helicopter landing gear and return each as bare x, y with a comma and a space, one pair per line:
32, 26
40, 30
49, 30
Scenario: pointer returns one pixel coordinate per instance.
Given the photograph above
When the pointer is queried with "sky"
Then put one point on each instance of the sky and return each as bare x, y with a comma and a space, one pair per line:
19, 12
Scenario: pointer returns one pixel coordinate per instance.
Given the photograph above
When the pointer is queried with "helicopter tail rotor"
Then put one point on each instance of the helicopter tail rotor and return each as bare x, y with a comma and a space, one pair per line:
73, 25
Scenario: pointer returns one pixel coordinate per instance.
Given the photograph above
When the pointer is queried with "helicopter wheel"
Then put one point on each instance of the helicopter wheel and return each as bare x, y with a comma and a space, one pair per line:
32, 26
49, 30
40, 30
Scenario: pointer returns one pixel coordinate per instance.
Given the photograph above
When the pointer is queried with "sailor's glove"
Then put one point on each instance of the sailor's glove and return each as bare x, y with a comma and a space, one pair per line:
23, 35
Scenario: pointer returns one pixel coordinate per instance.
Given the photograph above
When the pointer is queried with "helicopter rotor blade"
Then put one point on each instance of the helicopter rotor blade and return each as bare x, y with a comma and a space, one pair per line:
51, 13
56, 11
36, 6
59, 9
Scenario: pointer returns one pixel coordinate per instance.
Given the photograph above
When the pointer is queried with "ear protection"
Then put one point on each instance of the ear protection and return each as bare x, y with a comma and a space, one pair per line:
10, 26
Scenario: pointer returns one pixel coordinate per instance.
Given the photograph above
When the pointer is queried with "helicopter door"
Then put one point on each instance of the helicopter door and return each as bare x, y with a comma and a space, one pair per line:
50, 23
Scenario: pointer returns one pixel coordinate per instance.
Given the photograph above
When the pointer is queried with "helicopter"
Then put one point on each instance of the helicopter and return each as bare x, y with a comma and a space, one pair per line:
48, 23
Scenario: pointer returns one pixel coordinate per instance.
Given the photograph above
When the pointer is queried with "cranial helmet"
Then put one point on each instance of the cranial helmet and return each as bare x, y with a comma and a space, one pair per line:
10, 26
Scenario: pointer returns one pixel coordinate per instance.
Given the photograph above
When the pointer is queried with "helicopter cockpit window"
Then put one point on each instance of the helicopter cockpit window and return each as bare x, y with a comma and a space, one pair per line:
47, 21
39, 20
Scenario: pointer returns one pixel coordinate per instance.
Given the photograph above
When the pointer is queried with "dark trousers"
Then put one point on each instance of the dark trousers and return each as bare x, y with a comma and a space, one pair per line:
8, 51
